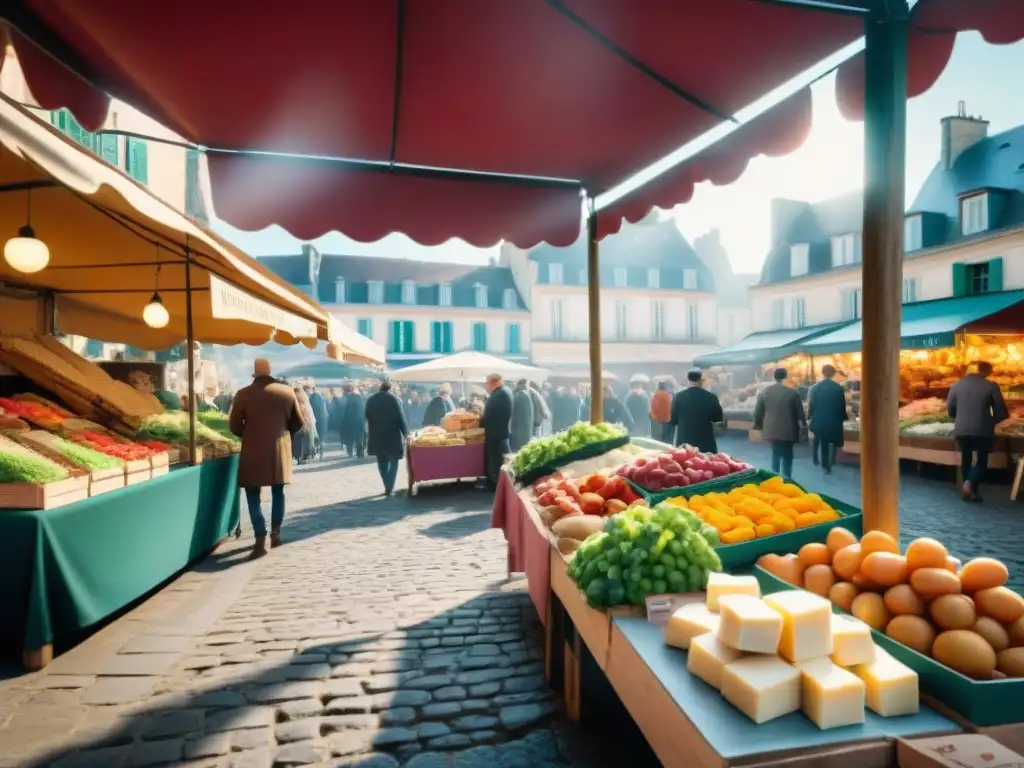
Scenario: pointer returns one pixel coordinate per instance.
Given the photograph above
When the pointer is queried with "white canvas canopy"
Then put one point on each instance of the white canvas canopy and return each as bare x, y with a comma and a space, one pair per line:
467, 366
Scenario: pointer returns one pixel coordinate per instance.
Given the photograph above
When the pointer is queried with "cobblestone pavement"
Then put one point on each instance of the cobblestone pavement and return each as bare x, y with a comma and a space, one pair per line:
383, 633
928, 506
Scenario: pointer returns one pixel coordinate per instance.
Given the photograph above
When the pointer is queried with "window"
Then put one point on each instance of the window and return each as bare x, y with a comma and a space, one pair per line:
339, 290
365, 326
912, 234
509, 299
974, 214
619, 276
851, 304
690, 279
846, 249
692, 331
909, 290
375, 292
658, 321
444, 294
403, 336
138, 160
408, 292
441, 336
512, 338
481, 295
796, 313
799, 256
195, 205
479, 337
555, 274
778, 313
653, 277
620, 321
977, 278
556, 319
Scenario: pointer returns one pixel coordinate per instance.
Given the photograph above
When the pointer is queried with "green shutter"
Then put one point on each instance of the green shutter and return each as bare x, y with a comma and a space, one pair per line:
396, 336
959, 280
138, 160
480, 337
408, 336
995, 275
435, 336
513, 338
446, 337
106, 147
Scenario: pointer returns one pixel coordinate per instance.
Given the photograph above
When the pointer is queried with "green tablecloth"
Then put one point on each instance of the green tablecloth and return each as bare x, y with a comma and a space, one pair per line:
65, 569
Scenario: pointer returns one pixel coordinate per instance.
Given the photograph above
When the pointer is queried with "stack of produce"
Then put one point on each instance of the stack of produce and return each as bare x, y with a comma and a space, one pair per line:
683, 467
459, 421
65, 452
643, 552
34, 412
755, 511
434, 437
101, 443
962, 616
597, 495
218, 422
19, 464
549, 451
787, 652
172, 429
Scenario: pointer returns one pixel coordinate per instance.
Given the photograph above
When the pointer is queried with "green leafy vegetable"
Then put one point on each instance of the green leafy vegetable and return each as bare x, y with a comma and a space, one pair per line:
546, 451
85, 457
172, 428
18, 467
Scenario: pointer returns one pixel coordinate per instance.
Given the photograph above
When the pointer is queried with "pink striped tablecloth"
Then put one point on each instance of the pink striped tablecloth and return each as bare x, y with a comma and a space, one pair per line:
446, 462
529, 550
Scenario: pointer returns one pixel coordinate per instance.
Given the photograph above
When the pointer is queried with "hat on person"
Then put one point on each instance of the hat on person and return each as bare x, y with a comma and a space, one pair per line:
694, 374
261, 367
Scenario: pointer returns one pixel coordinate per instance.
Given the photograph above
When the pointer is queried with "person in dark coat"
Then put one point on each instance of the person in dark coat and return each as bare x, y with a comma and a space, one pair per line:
615, 412
826, 406
976, 406
497, 424
353, 421
779, 413
522, 416
695, 411
638, 404
320, 415
440, 406
565, 409
415, 409
387, 432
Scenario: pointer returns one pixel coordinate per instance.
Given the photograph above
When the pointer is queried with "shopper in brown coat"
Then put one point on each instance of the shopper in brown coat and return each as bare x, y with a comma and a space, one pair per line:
265, 415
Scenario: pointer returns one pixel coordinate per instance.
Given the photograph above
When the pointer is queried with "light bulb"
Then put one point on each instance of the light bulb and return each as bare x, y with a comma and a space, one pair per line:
25, 253
155, 314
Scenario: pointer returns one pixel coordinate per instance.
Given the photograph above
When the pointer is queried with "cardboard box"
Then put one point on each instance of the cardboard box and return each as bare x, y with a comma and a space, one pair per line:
969, 750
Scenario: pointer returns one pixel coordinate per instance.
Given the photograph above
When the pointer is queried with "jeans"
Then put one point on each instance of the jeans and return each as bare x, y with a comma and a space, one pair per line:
826, 451
782, 457
968, 446
259, 523
388, 469
495, 452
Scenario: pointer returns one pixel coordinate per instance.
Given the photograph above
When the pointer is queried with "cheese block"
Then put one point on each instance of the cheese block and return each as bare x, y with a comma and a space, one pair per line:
721, 584
762, 687
689, 621
806, 624
891, 687
708, 656
832, 696
747, 624
851, 641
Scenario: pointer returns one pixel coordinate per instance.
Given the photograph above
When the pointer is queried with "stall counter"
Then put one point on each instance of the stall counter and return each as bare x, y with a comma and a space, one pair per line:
66, 569
444, 462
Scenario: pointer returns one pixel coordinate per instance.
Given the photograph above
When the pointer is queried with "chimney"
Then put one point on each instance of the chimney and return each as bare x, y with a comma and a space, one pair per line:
960, 133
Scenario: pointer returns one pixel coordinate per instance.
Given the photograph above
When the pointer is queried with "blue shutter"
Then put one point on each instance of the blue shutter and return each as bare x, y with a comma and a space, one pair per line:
408, 336
366, 326
396, 336
138, 160
446, 337
512, 340
480, 337
959, 280
995, 275
195, 205
93, 349
106, 147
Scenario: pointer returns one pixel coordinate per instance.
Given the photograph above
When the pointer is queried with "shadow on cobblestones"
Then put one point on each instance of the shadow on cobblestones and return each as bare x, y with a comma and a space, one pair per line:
462, 689
459, 527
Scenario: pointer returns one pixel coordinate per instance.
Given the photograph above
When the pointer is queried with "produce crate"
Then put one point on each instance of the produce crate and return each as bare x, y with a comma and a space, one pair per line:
982, 702
159, 464
48, 496
586, 452
137, 471
103, 480
708, 486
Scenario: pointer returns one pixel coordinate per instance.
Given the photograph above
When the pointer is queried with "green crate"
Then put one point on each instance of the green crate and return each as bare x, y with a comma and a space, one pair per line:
982, 702
586, 452
718, 485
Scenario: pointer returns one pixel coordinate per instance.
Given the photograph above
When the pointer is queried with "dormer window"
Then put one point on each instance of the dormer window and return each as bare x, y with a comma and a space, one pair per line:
690, 279
481, 295
408, 292
619, 277
339, 291
375, 291
508, 299
974, 214
653, 277
799, 259
555, 274
912, 233
846, 250
444, 294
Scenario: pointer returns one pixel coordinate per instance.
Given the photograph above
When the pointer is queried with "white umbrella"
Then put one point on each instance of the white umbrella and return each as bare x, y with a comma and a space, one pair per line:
639, 378
467, 366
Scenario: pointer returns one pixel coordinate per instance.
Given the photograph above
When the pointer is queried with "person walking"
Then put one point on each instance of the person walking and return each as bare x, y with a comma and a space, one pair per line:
615, 412
638, 403
264, 416
779, 415
826, 408
522, 416
976, 406
440, 406
695, 411
497, 425
388, 430
319, 406
353, 422
415, 409
660, 411
305, 438
541, 412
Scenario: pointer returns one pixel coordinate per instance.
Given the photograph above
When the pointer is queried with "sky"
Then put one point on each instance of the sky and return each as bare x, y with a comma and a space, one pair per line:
830, 163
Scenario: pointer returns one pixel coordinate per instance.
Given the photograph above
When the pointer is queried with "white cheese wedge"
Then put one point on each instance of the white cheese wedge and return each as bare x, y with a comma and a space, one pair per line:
891, 686
851, 641
708, 656
821, 665
721, 584
747, 624
762, 687
689, 621
806, 624
832, 696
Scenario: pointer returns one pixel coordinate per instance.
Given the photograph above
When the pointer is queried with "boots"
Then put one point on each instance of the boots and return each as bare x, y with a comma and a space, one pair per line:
259, 549
275, 537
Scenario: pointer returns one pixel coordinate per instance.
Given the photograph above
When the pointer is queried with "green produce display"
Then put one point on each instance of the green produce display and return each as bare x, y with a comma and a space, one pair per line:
23, 467
172, 428
546, 451
645, 552
85, 457
216, 421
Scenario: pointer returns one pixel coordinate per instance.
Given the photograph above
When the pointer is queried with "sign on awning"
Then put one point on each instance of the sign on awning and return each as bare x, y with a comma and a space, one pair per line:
230, 303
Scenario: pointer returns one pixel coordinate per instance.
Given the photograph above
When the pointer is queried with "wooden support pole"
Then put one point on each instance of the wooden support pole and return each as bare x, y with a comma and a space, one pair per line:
594, 303
885, 133
190, 341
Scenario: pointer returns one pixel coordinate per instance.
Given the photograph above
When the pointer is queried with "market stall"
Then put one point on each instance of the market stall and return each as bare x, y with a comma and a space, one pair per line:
453, 451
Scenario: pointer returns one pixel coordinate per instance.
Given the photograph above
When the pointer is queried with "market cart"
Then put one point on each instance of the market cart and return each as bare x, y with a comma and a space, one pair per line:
443, 462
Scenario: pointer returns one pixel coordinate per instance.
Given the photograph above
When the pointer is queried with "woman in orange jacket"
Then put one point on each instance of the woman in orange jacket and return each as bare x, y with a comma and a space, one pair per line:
661, 413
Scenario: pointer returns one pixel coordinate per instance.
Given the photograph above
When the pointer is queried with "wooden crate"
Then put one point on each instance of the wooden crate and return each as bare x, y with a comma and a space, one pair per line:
49, 496
104, 480
138, 471
159, 464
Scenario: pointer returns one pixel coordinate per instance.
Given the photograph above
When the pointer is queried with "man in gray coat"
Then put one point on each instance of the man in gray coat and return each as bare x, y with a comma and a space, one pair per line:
976, 405
779, 415
522, 416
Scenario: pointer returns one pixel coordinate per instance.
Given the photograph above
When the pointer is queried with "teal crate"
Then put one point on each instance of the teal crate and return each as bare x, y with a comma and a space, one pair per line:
982, 702
586, 452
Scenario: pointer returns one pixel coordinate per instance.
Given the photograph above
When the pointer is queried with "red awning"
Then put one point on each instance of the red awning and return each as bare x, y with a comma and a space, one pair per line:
589, 91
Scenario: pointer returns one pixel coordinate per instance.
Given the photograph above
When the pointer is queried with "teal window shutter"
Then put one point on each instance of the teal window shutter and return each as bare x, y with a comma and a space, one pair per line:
396, 336
106, 147
366, 326
138, 161
449, 343
195, 205
995, 275
480, 337
408, 336
435, 336
512, 342
960, 279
